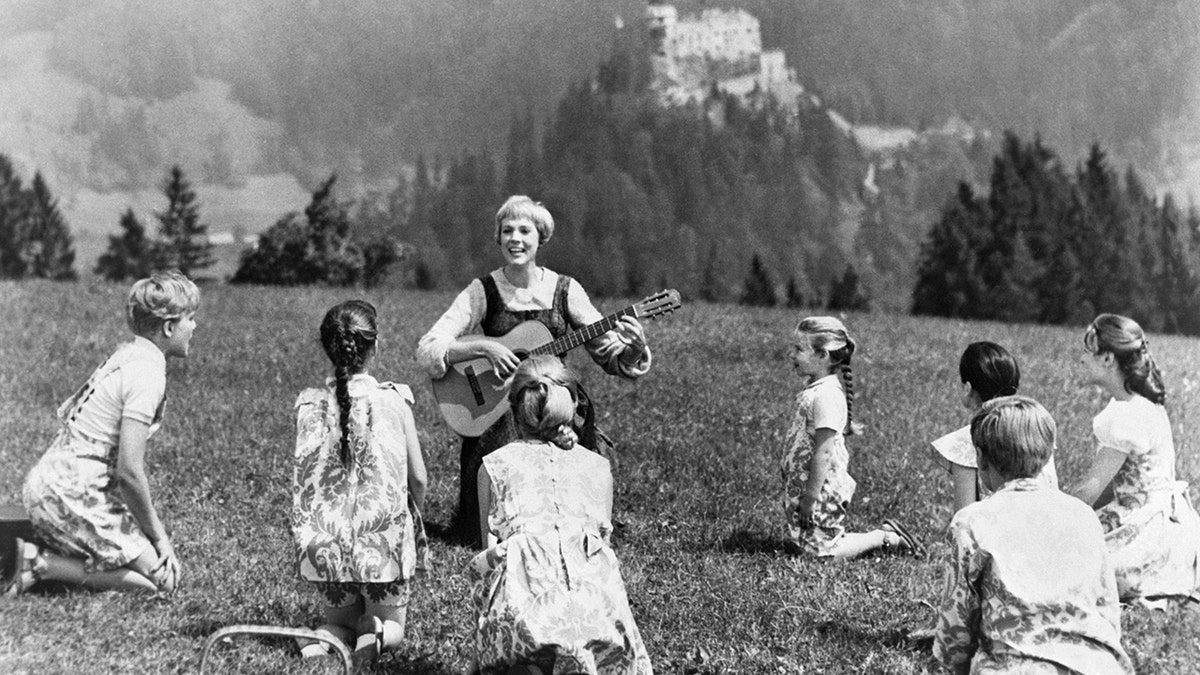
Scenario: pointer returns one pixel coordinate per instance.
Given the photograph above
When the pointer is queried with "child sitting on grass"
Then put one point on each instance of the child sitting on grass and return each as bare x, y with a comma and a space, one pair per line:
358, 485
1030, 588
988, 371
88, 497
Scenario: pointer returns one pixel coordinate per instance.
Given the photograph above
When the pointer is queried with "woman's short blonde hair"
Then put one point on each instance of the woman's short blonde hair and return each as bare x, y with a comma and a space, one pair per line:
520, 206
162, 297
1014, 434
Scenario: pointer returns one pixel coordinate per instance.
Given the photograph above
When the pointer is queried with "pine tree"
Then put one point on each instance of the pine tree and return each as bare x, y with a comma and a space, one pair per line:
183, 239
845, 294
794, 297
130, 255
14, 221
48, 253
758, 289
948, 281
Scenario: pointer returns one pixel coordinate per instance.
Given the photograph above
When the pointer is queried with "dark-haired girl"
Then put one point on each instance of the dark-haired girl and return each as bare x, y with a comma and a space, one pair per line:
815, 457
1152, 531
987, 371
357, 489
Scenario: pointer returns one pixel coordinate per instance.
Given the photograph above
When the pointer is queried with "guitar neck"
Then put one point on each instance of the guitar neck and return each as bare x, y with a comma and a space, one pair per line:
590, 332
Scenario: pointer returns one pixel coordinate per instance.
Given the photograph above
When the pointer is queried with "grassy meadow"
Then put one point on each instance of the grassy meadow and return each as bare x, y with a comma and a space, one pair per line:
697, 484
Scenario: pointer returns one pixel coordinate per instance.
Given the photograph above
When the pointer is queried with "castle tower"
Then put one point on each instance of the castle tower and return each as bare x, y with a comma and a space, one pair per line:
660, 20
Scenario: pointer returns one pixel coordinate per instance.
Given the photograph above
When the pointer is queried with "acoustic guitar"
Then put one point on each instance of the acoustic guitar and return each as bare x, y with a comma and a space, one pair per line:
471, 397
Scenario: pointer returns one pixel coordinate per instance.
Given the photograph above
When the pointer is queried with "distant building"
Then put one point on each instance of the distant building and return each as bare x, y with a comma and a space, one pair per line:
692, 53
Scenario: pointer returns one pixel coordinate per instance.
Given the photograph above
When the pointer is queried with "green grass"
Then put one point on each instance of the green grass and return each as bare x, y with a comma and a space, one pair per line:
697, 484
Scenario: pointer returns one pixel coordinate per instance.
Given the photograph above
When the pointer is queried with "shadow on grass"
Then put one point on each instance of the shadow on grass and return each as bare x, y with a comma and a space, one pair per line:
856, 638
748, 541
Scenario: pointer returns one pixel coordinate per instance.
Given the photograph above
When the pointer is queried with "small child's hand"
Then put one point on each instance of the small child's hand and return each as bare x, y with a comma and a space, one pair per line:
165, 574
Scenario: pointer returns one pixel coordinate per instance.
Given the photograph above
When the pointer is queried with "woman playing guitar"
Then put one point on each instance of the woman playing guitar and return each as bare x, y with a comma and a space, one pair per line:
496, 303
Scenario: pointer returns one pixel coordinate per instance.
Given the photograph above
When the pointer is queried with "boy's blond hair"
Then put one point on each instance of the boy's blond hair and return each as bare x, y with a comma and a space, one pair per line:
1014, 434
162, 297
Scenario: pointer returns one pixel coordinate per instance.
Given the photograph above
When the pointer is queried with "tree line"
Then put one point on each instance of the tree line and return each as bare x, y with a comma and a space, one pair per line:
1051, 245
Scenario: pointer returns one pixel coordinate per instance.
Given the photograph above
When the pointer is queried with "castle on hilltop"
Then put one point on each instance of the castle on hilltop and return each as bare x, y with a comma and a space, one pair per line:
689, 54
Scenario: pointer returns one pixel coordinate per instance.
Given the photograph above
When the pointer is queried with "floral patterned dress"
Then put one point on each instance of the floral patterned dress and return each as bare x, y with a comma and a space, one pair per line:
1030, 588
550, 592
358, 525
70, 494
820, 405
1152, 530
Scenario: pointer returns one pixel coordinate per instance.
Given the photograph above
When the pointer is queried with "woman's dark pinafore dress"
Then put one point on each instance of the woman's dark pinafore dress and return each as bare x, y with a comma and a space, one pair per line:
499, 320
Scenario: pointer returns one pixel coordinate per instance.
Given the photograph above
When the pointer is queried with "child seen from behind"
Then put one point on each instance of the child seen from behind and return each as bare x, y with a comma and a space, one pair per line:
815, 458
988, 371
358, 486
1030, 588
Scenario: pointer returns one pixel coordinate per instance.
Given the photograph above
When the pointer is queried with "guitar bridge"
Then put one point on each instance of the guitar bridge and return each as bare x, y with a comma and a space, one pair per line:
473, 380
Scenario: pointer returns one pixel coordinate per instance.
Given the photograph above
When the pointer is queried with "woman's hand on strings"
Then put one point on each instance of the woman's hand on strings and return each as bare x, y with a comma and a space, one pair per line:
629, 331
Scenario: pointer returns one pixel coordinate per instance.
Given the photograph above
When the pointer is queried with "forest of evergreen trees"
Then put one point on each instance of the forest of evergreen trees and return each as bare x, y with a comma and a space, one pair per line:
647, 196
1051, 245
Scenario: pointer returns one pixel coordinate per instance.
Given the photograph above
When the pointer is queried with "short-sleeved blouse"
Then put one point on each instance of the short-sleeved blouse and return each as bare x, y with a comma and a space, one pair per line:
957, 448
131, 384
1140, 429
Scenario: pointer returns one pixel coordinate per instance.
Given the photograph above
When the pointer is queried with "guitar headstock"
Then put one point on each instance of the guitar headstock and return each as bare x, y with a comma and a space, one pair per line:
662, 302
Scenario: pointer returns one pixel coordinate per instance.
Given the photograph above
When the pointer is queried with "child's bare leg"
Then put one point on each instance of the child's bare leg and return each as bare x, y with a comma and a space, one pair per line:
854, 544
71, 570
392, 609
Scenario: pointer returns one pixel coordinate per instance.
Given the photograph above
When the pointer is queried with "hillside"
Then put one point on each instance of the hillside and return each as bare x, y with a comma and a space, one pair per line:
260, 101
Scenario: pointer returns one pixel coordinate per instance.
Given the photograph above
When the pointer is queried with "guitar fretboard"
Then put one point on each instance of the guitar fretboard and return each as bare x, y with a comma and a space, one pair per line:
590, 332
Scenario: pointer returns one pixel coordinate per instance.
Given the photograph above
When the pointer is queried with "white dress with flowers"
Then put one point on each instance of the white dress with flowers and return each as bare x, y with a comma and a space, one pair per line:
1152, 530
356, 526
820, 405
550, 592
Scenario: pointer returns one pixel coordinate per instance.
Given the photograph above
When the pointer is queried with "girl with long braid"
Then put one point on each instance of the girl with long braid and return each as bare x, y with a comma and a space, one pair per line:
357, 490
815, 456
1150, 526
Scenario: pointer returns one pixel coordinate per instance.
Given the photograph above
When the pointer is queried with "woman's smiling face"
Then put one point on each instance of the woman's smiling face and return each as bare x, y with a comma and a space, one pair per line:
519, 241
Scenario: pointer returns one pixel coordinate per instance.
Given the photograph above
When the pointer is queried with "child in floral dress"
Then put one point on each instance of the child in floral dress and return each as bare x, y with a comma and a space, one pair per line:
1030, 588
815, 455
1152, 530
88, 497
548, 590
988, 371
358, 485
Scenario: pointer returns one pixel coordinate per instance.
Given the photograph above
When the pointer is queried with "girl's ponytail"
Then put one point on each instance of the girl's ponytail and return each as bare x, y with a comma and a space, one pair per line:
1125, 340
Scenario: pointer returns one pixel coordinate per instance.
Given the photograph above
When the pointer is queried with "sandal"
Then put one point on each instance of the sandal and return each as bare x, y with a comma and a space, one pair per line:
21, 562
908, 542
370, 636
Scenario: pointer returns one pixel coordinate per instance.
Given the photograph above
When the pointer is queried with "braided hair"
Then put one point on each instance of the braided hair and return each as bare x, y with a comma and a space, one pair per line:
348, 335
1126, 341
830, 335
543, 401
